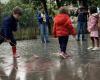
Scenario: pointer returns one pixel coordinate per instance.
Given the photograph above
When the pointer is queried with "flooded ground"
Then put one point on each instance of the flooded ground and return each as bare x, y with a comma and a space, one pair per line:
83, 65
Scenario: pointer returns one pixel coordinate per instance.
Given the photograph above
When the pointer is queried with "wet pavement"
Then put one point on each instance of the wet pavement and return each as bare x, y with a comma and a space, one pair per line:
83, 65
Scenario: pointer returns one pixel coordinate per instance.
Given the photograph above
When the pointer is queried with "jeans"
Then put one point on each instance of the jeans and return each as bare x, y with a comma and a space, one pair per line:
63, 43
44, 32
81, 29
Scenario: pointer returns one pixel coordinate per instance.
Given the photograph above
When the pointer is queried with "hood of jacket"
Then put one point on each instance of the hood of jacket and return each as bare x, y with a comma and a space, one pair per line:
95, 15
60, 19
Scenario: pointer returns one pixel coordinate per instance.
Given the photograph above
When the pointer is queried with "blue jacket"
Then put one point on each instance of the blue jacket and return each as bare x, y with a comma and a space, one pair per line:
40, 19
9, 26
82, 17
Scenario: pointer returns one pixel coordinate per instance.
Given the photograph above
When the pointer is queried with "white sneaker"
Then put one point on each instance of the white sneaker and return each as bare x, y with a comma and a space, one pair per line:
62, 55
96, 48
90, 48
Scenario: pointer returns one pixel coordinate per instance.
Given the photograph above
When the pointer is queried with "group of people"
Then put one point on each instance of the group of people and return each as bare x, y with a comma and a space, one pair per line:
88, 22
62, 28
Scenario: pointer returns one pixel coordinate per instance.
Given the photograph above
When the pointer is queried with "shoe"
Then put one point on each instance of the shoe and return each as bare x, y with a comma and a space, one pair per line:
67, 55
90, 48
35, 56
42, 42
78, 39
96, 48
62, 55
47, 41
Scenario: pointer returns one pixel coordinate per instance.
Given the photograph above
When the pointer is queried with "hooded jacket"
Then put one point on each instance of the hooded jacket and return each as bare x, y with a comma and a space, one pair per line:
93, 22
9, 26
63, 26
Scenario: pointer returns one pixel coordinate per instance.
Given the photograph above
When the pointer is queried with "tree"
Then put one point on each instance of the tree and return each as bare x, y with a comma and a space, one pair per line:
58, 3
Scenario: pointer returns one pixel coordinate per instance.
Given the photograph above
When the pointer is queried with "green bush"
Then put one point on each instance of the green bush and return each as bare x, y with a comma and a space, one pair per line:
28, 23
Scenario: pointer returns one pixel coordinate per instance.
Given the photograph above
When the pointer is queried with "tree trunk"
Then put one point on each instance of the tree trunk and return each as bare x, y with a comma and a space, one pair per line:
58, 3
84, 3
44, 5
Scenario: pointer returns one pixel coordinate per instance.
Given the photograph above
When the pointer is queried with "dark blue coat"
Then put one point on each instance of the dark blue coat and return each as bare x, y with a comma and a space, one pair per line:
82, 17
9, 26
40, 19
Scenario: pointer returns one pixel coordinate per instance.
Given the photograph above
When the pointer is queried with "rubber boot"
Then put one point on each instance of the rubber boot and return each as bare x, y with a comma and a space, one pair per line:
14, 52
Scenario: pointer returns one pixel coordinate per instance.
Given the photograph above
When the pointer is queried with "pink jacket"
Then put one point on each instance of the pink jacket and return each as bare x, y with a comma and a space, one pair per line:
93, 22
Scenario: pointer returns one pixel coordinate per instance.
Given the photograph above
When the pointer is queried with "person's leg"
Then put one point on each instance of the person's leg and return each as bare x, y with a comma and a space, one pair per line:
61, 47
13, 44
42, 32
97, 41
60, 43
83, 30
64, 44
46, 33
93, 41
78, 31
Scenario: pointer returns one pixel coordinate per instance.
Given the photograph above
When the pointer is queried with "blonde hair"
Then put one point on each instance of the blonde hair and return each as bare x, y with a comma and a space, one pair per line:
63, 9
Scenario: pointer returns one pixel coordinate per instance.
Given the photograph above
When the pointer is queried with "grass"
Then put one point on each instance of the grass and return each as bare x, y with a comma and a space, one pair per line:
26, 33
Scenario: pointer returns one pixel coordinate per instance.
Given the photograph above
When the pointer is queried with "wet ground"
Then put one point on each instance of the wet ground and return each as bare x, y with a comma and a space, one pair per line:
83, 65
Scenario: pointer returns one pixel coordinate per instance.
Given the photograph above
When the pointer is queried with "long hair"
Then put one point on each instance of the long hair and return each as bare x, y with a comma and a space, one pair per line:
93, 9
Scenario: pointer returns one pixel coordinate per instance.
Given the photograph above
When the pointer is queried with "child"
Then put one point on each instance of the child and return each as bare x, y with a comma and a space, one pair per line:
9, 26
82, 23
93, 28
43, 20
62, 29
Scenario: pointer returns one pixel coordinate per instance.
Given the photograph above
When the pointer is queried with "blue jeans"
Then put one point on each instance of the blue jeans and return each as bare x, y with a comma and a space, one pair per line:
81, 29
63, 43
44, 32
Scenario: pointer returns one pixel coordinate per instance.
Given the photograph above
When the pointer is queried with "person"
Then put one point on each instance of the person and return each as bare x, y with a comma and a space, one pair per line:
62, 28
93, 28
9, 26
82, 23
43, 20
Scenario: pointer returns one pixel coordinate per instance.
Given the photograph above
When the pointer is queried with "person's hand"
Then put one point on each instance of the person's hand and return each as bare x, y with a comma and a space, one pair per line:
8, 40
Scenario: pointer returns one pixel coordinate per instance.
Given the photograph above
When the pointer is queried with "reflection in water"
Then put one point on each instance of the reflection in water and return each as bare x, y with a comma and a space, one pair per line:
13, 72
49, 66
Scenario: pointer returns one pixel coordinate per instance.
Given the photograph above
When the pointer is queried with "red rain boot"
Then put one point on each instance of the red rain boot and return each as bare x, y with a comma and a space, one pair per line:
14, 52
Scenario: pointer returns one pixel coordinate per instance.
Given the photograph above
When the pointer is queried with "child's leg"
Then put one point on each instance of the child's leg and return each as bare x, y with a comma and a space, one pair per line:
46, 33
83, 25
60, 39
63, 43
42, 32
14, 50
78, 30
93, 41
13, 44
97, 41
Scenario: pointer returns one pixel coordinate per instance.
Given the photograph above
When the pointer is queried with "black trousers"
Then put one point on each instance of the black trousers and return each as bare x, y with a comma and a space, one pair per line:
63, 40
13, 40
